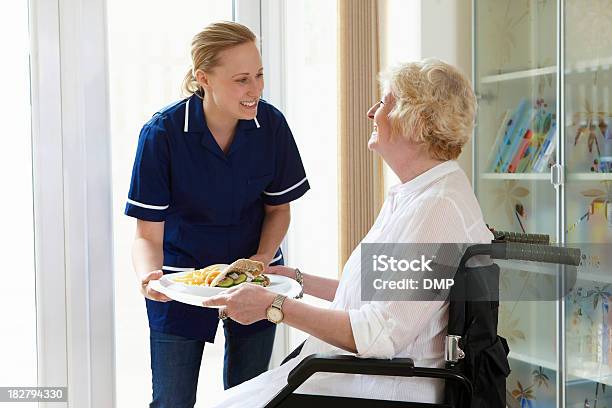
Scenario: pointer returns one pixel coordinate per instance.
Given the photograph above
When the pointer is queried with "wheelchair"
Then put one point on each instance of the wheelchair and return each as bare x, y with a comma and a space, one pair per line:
476, 357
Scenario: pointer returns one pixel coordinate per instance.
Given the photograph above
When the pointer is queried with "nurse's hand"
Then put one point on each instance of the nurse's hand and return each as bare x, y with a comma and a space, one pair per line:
246, 303
264, 259
146, 290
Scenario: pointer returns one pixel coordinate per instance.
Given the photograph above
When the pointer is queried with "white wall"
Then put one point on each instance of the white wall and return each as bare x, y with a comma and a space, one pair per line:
416, 29
400, 41
446, 33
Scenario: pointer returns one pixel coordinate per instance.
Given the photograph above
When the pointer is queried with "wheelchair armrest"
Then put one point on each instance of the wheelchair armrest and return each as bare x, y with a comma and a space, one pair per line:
347, 364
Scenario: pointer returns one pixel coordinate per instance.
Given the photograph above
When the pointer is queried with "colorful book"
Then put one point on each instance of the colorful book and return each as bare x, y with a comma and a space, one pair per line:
546, 146
527, 159
517, 137
541, 128
498, 142
503, 151
547, 150
520, 153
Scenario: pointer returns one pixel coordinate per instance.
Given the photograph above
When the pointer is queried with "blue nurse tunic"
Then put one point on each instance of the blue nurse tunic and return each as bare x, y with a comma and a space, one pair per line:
212, 203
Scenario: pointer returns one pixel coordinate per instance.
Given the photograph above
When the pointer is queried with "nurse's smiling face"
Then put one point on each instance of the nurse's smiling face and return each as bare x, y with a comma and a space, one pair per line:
234, 86
379, 113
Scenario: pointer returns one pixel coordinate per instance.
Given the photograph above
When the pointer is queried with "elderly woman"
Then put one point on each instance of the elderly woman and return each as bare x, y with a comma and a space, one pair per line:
420, 126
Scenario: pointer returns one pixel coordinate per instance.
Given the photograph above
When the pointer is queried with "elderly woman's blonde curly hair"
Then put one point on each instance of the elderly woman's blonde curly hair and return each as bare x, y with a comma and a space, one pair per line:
434, 105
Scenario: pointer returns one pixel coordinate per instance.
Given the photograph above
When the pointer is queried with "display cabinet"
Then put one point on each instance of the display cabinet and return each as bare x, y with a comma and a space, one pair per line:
543, 164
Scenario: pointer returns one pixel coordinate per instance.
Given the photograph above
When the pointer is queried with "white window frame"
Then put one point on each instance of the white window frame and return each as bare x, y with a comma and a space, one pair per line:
266, 18
72, 200
72, 188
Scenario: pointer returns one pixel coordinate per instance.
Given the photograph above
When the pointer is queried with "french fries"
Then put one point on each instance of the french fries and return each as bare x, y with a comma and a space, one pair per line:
200, 277
225, 276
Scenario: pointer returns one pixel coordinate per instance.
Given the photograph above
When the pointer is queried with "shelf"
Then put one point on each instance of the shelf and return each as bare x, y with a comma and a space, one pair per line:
595, 372
532, 267
546, 176
528, 73
603, 277
590, 371
590, 176
532, 360
579, 68
582, 274
589, 66
515, 176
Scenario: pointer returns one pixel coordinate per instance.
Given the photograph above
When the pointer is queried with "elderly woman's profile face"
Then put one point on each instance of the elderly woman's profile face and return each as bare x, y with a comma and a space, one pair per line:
379, 113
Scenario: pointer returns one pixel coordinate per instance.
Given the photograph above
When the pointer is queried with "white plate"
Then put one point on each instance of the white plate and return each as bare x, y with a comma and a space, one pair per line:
195, 295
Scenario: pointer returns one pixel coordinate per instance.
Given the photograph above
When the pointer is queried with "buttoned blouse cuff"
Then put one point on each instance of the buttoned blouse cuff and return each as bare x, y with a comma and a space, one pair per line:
146, 212
286, 195
371, 336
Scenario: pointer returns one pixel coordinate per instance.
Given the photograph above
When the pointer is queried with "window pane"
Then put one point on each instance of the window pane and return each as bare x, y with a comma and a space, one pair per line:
401, 42
18, 300
148, 58
312, 114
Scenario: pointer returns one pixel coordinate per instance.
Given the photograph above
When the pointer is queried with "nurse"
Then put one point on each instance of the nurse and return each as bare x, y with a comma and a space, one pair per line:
212, 181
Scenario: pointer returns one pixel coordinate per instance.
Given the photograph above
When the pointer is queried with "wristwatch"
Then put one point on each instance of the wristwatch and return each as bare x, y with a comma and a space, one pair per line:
274, 313
300, 279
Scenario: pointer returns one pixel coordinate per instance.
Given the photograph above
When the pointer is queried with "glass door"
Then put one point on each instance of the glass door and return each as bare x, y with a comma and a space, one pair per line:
515, 77
587, 83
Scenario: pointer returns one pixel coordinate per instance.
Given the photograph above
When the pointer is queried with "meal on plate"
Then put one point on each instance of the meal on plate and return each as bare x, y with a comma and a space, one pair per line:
219, 275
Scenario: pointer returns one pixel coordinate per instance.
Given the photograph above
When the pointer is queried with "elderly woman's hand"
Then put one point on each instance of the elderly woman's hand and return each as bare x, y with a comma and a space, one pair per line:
246, 303
282, 270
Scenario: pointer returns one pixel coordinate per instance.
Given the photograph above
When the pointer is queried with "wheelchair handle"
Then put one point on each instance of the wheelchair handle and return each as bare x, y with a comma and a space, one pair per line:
523, 252
507, 236
535, 252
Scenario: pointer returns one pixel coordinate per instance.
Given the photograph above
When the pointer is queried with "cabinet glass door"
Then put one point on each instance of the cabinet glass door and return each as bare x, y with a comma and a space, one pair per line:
587, 88
515, 65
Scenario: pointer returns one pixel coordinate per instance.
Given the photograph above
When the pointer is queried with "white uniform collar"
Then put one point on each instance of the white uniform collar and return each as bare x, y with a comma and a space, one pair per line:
195, 99
423, 180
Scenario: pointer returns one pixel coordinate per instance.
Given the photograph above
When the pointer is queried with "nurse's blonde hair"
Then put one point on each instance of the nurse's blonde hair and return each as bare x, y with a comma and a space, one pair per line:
434, 105
208, 44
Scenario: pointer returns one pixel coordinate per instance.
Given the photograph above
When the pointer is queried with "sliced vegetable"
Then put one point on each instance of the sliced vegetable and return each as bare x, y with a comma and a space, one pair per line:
226, 282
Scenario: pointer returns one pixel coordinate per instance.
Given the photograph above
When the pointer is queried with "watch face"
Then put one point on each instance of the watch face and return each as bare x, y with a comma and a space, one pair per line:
274, 315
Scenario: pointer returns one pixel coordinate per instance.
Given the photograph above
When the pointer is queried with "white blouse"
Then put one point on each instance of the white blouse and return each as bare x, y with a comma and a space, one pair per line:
436, 207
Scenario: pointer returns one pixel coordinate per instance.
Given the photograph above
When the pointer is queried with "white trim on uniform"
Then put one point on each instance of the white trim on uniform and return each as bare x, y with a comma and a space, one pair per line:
293, 187
256, 122
186, 127
277, 258
176, 269
148, 206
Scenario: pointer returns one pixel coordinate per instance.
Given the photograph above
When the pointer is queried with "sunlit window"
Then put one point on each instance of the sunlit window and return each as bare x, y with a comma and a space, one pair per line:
148, 58
18, 300
400, 42
311, 111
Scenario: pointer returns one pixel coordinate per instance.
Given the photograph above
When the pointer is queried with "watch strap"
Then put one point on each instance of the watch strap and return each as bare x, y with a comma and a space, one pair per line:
299, 277
278, 302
